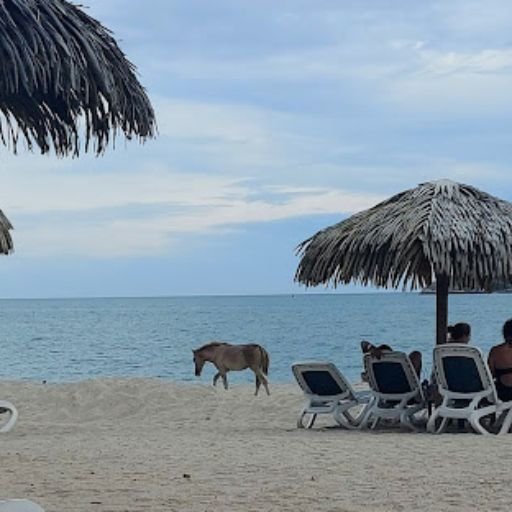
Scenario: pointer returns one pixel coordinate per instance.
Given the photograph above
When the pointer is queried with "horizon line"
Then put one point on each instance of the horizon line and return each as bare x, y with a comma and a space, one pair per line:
212, 295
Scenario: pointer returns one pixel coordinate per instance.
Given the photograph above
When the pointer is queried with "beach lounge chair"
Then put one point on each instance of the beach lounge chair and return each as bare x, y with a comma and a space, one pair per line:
8, 416
327, 391
397, 393
467, 387
19, 506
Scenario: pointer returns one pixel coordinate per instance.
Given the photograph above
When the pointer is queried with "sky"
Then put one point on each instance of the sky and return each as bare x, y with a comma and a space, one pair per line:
275, 119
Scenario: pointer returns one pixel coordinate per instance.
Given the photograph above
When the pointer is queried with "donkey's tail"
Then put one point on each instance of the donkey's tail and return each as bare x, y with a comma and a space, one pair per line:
265, 360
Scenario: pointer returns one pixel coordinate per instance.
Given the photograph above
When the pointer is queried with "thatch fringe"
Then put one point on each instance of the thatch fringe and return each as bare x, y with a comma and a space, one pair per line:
436, 228
6, 245
59, 66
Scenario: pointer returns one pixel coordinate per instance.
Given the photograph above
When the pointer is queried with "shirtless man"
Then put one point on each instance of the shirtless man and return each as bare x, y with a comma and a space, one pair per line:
500, 364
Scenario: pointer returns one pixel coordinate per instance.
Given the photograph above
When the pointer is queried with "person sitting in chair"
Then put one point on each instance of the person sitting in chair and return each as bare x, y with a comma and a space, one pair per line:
459, 333
500, 364
377, 350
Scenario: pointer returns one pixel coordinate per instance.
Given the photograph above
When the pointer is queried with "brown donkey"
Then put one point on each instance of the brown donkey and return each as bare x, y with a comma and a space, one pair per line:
228, 357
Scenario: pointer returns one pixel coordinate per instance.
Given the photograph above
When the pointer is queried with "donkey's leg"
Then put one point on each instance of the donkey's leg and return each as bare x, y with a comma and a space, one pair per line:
258, 384
261, 376
216, 378
224, 379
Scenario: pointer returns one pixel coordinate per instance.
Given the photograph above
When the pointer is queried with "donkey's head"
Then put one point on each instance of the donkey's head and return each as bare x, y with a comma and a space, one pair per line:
198, 362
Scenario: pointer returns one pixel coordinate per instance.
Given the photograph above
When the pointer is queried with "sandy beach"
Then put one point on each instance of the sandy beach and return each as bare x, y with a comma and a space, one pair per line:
151, 445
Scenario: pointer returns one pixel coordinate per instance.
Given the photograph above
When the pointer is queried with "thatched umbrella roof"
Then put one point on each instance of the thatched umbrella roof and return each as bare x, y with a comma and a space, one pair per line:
450, 232
5, 237
62, 71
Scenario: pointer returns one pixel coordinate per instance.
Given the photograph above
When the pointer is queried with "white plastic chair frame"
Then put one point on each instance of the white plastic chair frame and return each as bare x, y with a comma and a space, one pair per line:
476, 409
339, 405
393, 406
19, 506
8, 416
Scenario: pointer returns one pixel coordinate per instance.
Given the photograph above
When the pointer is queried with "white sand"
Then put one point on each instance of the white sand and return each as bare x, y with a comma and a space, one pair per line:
126, 445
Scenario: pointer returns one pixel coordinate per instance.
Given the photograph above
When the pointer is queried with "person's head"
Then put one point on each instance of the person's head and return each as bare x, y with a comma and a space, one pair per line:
376, 351
507, 331
459, 333
366, 346
198, 362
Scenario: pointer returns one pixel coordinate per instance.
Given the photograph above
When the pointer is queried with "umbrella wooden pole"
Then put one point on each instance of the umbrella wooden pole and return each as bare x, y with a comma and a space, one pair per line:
442, 282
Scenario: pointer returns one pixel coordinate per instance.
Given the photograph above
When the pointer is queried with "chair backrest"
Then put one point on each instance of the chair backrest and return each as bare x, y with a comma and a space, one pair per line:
392, 375
323, 379
461, 370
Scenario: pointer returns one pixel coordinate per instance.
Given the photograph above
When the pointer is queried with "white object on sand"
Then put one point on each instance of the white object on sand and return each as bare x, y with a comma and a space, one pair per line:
19, 506
6, 408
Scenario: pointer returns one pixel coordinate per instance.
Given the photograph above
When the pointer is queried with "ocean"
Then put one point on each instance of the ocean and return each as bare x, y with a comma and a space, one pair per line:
62, 340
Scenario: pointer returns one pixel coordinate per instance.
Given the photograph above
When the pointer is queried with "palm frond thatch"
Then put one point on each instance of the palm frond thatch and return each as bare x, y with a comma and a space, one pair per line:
437, 228
6, 245
61, 69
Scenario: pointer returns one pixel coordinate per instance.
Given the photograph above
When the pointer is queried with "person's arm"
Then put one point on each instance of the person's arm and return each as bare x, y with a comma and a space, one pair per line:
490, 361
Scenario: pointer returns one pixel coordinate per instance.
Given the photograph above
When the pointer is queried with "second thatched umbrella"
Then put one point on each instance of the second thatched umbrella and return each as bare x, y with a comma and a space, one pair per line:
452, 233
59, 69
6, 246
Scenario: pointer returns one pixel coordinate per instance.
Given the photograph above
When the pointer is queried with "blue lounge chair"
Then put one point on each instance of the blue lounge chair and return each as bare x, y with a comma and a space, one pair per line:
397, 393
327, 391
467, 388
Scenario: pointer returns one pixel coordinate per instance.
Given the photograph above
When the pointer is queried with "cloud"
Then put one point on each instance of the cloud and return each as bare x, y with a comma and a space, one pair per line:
197, 207
201, 120
247, 140
473, 20
488, 61
36, 193
321, 110
463, 83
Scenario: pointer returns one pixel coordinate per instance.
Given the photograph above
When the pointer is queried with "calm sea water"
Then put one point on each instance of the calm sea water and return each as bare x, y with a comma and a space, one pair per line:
73, 339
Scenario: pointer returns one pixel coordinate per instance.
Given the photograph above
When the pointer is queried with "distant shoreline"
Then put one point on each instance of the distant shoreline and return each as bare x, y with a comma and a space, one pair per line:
227, 295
